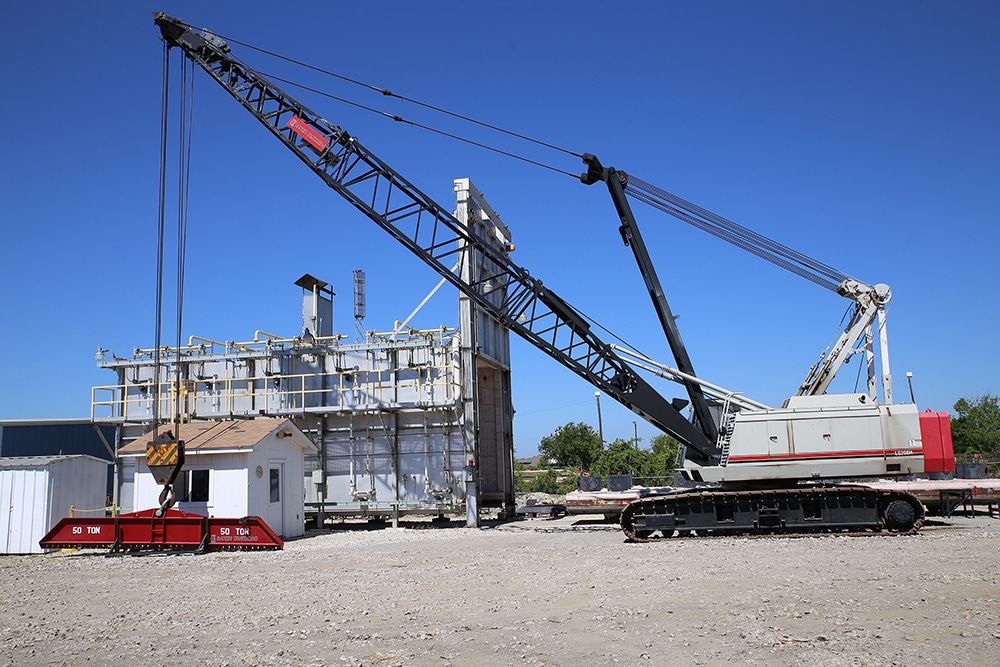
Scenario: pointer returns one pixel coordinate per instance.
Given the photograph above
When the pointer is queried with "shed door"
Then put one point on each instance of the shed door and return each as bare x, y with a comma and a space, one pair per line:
276, 495
23, 504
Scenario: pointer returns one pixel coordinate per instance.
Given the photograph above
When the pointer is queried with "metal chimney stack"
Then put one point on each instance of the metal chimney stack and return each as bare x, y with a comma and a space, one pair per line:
317, 306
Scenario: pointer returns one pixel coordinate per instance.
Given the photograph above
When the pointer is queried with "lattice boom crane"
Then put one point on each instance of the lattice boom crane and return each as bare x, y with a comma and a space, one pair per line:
756, 460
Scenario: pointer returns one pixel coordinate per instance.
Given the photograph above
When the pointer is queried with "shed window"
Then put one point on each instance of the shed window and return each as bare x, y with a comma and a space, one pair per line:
199, 486
275, 479
192, 486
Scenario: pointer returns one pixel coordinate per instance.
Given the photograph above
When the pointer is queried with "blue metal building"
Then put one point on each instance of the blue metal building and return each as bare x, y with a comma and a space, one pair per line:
55, 437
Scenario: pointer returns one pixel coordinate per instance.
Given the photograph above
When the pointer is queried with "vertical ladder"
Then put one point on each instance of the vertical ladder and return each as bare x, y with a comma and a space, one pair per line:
726, 430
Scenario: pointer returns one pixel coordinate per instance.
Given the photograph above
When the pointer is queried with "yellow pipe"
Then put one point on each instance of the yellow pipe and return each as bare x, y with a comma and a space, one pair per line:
192, 339
258, 333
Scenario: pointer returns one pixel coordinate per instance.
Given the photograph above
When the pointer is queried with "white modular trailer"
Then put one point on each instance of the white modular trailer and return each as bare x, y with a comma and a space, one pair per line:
37, 491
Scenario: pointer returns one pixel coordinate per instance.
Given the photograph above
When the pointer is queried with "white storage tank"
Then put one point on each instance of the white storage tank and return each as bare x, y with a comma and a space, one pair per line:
37, 491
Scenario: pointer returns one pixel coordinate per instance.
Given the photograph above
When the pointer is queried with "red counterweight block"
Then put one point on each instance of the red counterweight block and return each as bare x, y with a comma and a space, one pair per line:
935, 430
175, 530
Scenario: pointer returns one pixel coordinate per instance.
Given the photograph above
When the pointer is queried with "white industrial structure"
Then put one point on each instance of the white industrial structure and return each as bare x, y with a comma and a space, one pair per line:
405, 421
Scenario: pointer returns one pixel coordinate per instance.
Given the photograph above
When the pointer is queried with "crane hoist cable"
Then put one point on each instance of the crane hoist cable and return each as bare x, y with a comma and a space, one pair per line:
185, 121
185, 118
165, 452
160, 233
412, 123
388, 93
737, 235
731, 232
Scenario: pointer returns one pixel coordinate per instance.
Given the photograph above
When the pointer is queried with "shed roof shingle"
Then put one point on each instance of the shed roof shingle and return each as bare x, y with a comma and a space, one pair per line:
212, 436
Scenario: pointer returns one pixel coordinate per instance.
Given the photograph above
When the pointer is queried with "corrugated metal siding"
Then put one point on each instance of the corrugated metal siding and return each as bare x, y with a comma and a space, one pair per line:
55, 439
51, 439
413, 459
77, 481
35, 495
23, 492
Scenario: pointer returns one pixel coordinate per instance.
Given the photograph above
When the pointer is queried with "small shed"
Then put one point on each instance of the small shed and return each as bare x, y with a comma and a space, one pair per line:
37, 491
251, 467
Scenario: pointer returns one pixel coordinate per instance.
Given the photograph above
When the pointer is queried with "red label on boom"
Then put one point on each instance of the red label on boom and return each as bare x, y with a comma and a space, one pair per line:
315, 139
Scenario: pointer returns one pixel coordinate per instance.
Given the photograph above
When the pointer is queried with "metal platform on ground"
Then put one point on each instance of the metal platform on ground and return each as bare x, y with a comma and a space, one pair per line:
944, 496
609, 503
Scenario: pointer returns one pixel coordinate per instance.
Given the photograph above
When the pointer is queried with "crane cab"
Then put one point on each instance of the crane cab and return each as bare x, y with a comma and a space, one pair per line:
828, 436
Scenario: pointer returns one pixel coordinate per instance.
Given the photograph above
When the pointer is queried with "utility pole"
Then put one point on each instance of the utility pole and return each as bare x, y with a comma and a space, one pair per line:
600, 424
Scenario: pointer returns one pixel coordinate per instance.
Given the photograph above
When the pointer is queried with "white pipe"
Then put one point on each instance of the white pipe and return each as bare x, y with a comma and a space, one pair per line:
426, 299
678, 376
883, 344
258, 333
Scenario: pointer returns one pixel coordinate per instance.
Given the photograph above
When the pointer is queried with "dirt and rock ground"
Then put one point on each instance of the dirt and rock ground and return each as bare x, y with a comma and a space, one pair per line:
563, 591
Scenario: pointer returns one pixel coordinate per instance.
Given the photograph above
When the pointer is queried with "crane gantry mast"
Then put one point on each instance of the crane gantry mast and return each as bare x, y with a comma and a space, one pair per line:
870, 301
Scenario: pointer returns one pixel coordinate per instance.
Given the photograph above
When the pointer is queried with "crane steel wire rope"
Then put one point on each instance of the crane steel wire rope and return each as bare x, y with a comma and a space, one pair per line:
724, 229
185, 121
731, 232
170, 449
160, 231
388, 93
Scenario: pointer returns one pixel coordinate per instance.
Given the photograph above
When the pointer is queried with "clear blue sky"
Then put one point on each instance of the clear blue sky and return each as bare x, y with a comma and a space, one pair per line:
863, 134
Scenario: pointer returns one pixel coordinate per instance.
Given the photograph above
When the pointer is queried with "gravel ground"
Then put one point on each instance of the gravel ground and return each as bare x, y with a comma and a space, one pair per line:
542, 592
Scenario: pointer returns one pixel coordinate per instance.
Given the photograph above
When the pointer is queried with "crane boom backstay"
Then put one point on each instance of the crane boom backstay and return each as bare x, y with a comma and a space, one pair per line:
758, 469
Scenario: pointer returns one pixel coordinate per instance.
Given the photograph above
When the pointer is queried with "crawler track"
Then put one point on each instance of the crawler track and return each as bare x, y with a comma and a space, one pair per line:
777, 512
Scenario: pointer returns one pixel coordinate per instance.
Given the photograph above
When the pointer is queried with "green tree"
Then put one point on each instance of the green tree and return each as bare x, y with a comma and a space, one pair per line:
520, 483
549, 482
576, 445
666, 455
976, 429
623, 457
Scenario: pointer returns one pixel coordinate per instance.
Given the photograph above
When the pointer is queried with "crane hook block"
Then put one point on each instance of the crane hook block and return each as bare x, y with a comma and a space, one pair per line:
165, 457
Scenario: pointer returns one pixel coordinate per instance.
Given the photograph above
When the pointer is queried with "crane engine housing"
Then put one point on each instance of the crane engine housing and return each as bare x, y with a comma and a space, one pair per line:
817, 437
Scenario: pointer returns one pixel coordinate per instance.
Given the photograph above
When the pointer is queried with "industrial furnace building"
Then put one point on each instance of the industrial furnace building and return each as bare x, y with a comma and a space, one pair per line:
405, 420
